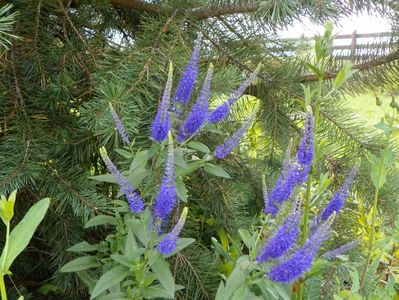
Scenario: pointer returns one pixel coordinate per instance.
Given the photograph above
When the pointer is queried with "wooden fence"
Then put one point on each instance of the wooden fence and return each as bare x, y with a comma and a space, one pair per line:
356, 46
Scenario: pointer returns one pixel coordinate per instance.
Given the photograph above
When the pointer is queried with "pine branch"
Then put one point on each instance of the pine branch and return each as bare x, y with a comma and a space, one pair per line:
199, 13
361, 67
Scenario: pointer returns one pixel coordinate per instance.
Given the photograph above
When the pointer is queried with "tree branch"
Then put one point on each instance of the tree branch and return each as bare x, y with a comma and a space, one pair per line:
361, 67
138, 5
197, 12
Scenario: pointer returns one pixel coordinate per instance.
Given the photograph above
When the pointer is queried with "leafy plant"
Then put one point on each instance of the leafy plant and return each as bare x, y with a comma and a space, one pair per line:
131, 260
18, 239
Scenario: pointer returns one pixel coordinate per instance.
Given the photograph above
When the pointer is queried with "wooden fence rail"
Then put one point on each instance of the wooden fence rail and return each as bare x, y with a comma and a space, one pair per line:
360, 45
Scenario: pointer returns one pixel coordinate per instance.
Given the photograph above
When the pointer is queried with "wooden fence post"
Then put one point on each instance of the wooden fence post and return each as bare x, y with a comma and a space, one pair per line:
353, 46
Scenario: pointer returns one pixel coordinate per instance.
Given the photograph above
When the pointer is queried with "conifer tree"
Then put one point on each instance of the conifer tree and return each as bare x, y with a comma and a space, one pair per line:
63, 62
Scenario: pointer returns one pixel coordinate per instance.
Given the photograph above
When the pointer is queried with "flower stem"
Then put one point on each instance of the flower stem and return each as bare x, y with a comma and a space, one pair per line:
2, 271
305, 225
3, 287
374, 212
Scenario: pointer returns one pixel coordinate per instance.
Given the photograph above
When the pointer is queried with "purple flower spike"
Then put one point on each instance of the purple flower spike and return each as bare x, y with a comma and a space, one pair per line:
168, 243
283, 239
294, 172
199, 113
136, 205
340, 250
119, 126
301, 261
285, 185
166, 198
338, 200
186, 84
223, 150
223, 110
219, 113
305, 150
161, 124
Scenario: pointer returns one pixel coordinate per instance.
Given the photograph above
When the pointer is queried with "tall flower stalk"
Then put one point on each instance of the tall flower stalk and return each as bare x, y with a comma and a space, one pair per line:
295, 171
187, 81
378, 178
166, 198
306, 208
136, 204
168, 243
199, 113
221, 112
224, 149
283, 239
119, 126
301, 261
161, 124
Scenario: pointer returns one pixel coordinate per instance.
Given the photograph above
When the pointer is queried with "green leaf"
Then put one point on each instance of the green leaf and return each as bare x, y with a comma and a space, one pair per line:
85, 277
163, 274
140, 228
123, 260
216, 170
181, 190
179, 159
355, 281
109, 279
383, 127
156, 291
124, 153
80, 264
104, 178
13, 196
378, 181
140, 160
130, 245
247, 238
23, 232
221, 250
83, 247
314, 70
6, 211
234, 281
100, 220
199, 146
220, 292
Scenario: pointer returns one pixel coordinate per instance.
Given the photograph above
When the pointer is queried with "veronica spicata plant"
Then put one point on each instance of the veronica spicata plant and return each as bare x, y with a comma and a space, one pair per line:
275, 258
132, 260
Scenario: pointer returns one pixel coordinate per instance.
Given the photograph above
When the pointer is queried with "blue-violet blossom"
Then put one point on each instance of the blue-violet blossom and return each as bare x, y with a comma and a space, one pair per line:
166, 198
223, 150
199, 113
283, 239
223, 110
295, 171
338, 200
186, 84
168, 243
136, 205
301, 261
161, 124
340, 250
119, 126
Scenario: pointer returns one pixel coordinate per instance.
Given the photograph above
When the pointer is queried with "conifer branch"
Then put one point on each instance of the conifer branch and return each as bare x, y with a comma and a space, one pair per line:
361, 67
200, 13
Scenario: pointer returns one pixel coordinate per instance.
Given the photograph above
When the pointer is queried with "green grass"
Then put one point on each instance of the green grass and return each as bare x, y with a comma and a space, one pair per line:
367, 109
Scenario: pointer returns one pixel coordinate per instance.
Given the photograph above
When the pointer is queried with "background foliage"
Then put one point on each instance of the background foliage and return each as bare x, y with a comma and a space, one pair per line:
73, 57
